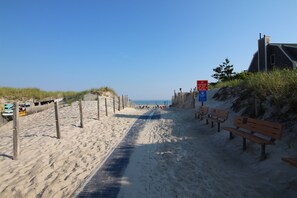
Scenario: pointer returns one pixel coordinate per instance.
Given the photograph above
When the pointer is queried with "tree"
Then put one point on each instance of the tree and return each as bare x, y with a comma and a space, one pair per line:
224, 72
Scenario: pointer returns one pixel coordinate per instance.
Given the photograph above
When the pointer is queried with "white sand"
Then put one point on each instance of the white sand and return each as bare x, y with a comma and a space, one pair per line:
176, 156
49, 167
179, 156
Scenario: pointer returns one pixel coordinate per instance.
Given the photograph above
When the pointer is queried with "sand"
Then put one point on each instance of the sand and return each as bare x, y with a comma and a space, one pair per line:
175, 156
179, 156
51, 167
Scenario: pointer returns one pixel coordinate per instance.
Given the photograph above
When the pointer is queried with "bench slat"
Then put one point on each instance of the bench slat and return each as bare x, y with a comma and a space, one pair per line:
290, 160
267, 128
249, 128
248, 136
260, 126
203, 112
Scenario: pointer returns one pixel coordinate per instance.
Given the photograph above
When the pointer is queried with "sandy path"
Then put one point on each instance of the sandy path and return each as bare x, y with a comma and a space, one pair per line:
178, 156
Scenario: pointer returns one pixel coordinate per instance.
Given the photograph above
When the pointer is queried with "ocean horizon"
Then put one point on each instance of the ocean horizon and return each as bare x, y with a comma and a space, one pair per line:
151, 102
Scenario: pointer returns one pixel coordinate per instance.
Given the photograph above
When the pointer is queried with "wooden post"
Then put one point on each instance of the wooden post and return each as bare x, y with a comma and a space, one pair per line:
194, 99
81, 114
106, 113
113, 100
16, 135
57, 121
98, 107
119, 97
126, 98
123, 102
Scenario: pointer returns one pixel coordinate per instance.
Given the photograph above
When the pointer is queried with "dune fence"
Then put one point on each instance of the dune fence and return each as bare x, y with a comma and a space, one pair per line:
108, 105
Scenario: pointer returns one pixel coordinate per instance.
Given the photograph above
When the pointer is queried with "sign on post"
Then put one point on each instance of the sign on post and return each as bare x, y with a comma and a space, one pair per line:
202, 85
202, 96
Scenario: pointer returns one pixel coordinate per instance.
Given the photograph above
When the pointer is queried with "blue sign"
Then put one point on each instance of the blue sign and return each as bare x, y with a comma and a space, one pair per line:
202, 96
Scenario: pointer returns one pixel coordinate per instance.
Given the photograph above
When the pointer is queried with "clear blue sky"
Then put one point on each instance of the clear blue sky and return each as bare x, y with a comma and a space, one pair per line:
141, 48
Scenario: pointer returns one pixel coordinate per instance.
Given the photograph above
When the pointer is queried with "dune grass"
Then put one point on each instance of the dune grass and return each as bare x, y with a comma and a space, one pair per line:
277, 83
278, 86
102, 90
22, 94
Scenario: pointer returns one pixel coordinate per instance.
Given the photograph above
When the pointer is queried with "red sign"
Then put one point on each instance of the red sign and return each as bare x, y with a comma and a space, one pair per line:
202, 85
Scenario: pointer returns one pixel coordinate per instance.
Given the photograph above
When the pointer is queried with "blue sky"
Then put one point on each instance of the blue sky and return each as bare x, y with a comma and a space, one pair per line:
144, 49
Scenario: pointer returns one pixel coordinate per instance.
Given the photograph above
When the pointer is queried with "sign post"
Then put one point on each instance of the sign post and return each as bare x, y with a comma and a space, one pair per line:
202, 87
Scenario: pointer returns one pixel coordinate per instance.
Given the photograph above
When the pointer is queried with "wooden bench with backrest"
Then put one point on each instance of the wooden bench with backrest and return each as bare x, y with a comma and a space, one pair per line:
217, 115
202, 113
258, 131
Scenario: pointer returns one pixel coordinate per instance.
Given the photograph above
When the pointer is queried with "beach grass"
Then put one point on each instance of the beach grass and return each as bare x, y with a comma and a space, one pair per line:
279, 86
21, 94
277, 83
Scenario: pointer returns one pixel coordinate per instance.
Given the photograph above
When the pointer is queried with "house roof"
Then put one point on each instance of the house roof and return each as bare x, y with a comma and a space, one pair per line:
289, 49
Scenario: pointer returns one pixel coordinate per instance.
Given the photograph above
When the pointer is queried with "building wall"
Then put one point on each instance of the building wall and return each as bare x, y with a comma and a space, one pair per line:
281, 60
254, 64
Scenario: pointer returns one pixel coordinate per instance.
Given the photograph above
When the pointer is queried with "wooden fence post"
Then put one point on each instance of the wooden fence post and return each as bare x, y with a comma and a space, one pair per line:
194, 99
106, 113
98, 107
113, 101
16, 135
119, 97
57, 121
81, 114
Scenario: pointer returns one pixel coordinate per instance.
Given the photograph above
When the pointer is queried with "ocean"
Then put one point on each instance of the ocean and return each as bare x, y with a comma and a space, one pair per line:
152, 102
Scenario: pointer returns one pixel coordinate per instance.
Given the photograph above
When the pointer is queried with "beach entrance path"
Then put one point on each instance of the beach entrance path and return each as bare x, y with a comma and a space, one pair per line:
168, 153
179, 156
106, 182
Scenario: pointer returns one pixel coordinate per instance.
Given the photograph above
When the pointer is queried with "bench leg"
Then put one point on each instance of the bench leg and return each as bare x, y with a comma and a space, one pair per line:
263, 154
243, 144
219, 128
231, 136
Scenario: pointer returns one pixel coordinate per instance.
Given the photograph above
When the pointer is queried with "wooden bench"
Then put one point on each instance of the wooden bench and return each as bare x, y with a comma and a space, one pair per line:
202, 113
290, 160
217, 115
258, 131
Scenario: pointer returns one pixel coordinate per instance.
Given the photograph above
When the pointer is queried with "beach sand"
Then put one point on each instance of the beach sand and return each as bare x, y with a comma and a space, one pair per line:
51, 167
179, 156
175, 156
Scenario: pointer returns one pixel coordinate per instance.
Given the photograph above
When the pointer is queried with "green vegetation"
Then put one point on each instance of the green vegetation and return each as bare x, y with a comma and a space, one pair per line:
37, 94
26, 93
102, 90
276, 88
277, 83
224, 72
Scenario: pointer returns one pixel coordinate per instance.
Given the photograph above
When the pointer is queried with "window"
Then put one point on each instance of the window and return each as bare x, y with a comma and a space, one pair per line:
272, 59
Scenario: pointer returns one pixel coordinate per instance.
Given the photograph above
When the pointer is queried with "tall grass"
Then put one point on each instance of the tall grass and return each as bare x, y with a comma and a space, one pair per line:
10, 93
26, 93
278, 86
102, 90
275, 83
